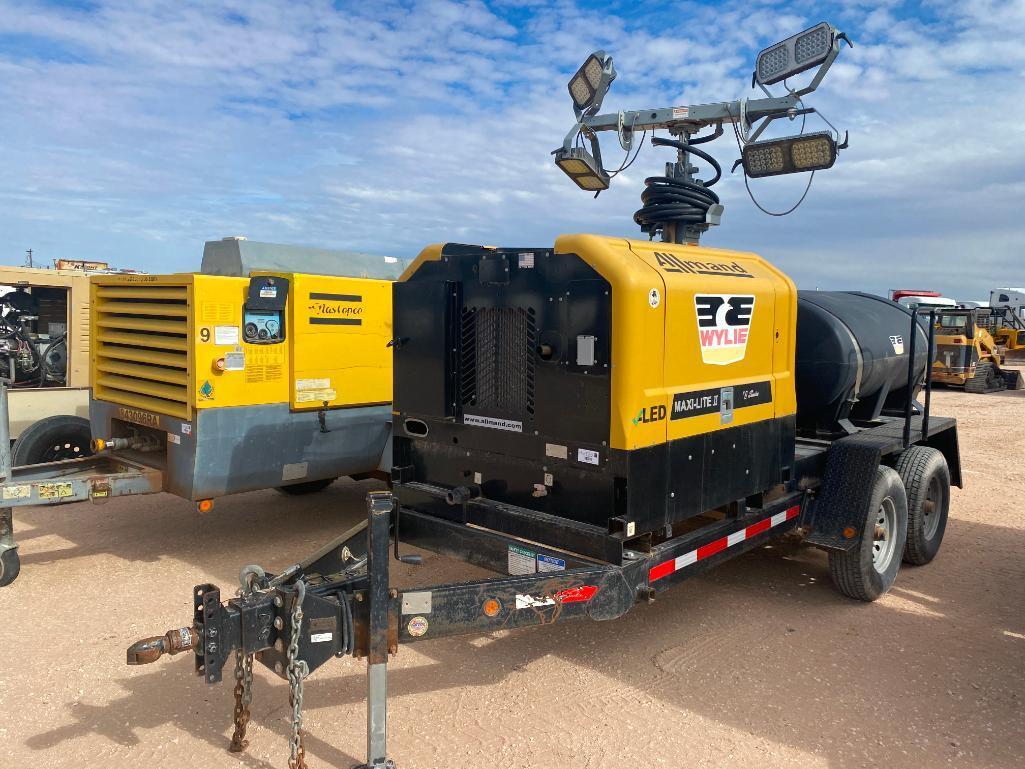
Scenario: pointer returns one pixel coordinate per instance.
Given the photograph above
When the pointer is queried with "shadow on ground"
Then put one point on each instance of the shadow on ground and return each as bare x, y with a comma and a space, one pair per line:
931, 674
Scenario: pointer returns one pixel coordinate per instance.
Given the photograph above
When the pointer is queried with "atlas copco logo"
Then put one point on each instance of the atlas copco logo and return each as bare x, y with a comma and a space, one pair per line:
724, 322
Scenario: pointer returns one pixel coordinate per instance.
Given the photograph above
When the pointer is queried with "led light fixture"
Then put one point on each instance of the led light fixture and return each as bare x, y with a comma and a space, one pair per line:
591, 82
790, 155
580, 166
795, 54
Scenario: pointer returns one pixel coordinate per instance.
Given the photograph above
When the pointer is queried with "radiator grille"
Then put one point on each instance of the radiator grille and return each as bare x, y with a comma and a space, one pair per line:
141, 347
497, 353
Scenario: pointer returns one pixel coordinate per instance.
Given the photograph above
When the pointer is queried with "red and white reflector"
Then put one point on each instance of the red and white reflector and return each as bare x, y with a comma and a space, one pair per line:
673, 565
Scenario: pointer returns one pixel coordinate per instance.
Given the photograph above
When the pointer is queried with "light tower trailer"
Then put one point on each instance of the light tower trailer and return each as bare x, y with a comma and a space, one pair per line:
582, 528
601, 420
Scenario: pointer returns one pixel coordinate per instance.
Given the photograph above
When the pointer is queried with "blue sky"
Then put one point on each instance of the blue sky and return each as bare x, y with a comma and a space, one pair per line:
134, 131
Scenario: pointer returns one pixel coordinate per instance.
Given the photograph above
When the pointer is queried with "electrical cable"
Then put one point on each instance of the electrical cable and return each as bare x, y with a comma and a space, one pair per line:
667, 200
747, 183
778, 213
627, 164
346, 626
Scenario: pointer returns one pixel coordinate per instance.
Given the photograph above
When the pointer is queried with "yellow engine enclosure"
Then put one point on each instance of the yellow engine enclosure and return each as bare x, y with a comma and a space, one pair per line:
656, 352
173, 344
657, 383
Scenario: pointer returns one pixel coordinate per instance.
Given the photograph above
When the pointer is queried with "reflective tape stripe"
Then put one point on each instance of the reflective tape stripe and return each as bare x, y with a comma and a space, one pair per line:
666, 568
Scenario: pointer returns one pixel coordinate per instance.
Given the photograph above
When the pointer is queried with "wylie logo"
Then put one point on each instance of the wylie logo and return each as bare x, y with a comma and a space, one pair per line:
724, 322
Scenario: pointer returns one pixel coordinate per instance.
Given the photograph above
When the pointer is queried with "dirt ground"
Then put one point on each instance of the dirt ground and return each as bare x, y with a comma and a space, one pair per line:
756, 664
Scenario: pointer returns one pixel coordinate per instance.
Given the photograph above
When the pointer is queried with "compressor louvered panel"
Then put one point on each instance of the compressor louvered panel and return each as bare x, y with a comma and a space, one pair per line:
142, 338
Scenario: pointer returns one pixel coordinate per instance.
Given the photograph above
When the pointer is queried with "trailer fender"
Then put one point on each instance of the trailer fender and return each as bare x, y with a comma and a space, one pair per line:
837, 512
946, 443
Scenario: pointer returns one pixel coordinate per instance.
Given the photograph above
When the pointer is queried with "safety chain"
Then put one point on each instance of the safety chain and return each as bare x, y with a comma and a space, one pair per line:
244, 669
243, 699
297, 672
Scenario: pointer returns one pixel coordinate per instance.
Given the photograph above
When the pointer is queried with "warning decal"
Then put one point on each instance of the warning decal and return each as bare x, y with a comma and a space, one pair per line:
521, 560
57, 490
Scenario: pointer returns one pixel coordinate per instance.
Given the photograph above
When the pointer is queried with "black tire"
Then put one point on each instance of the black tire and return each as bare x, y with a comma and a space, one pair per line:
10, 566
927, 483
859, 573
306, 487
52, 439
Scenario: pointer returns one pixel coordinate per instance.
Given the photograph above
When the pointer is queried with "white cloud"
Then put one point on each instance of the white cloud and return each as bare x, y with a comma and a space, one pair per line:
137, 130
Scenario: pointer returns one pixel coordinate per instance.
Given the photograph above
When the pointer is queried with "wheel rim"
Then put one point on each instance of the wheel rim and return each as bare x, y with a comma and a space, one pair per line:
64, 450
931, 508
883, 544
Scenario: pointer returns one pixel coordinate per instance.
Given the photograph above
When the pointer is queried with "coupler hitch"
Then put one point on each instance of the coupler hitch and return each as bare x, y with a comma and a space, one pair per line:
172, 642
335, 603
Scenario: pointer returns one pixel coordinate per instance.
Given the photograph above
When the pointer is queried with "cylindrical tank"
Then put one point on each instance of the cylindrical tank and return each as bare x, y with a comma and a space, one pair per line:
852, 357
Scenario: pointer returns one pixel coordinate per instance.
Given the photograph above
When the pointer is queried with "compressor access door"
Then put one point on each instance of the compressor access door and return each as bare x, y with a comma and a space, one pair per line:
727, 373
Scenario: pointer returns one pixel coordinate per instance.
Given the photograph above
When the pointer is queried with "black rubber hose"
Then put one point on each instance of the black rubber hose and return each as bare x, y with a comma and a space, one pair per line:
61, 340
7, 329
658, 141
667, 200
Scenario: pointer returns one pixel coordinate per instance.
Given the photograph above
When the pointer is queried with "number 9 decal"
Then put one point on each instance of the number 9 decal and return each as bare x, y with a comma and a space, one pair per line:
204, 334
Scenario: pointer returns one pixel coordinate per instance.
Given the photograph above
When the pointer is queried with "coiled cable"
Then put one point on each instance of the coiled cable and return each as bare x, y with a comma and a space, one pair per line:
667, 200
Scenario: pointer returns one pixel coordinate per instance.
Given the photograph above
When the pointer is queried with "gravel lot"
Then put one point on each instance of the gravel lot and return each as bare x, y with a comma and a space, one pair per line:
757, 664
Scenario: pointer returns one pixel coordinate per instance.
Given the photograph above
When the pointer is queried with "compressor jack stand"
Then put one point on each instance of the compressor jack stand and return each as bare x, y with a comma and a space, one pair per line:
10, 564
379, 508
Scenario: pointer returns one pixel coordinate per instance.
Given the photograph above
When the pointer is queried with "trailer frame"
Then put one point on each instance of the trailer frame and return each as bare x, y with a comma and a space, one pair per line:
351, 608
553, 569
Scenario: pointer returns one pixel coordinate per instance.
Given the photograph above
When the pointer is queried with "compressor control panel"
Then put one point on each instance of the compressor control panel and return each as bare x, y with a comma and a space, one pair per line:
262, 326
263, 316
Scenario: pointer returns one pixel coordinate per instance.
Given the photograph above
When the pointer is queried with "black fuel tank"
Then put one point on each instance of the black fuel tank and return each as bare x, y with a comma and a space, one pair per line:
852, 357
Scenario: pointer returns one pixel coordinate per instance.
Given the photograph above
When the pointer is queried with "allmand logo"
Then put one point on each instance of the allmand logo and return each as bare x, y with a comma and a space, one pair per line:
724, 322
673, 263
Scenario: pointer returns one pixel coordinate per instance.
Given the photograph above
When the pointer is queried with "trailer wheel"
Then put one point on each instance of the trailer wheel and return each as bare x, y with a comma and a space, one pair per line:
306, 487
52, 439
10, 566
927, 482
869, 569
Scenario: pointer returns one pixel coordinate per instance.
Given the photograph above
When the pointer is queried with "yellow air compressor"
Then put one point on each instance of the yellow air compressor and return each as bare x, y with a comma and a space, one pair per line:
280, 379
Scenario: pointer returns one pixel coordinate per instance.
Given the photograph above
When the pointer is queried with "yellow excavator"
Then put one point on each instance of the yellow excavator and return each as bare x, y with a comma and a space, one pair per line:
968, 356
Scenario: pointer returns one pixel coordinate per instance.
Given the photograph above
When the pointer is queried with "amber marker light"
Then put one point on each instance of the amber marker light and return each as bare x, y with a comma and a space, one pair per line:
205, 505
492, 606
